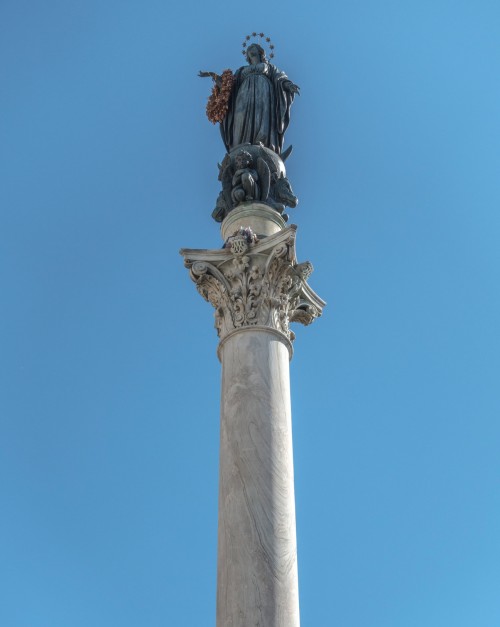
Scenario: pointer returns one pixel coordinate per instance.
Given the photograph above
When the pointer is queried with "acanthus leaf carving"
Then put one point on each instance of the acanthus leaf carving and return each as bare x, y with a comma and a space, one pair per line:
259, 283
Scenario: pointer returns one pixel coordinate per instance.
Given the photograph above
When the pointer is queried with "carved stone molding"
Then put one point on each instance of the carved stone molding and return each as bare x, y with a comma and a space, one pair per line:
255, 283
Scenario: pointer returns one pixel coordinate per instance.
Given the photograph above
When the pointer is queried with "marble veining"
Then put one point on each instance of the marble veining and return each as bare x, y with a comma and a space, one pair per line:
257, 559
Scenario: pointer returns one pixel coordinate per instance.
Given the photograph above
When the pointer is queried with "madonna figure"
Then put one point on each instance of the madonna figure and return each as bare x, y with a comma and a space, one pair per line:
256, 102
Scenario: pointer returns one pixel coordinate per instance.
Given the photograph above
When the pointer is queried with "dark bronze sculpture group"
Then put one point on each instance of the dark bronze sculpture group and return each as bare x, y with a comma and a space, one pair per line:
252, 107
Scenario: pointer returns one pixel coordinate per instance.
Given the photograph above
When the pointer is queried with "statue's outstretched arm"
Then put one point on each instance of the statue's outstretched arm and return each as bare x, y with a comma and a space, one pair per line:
215, 77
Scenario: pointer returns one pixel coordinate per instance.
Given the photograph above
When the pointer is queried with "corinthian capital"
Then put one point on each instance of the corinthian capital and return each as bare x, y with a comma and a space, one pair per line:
252, 282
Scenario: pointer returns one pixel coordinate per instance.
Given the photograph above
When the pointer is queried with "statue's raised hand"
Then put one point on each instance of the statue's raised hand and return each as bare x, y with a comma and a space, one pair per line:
293, 88
211, 75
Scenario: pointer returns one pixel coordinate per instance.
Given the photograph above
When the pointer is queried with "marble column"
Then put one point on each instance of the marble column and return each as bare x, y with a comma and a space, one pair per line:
257, 288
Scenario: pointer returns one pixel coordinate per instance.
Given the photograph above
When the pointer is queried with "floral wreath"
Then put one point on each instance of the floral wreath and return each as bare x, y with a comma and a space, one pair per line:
218, 102
255, 36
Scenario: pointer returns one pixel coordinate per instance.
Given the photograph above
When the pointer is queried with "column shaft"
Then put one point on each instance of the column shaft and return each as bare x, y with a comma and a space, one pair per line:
257, 558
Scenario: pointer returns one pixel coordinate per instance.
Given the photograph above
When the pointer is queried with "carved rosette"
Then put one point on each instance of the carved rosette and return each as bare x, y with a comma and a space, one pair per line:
255, 284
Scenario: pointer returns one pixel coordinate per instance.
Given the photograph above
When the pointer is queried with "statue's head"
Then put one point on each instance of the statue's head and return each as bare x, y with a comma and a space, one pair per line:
243, 160
255, 54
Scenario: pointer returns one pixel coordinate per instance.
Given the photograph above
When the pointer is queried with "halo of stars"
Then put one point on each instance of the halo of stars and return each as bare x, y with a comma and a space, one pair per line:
261, 37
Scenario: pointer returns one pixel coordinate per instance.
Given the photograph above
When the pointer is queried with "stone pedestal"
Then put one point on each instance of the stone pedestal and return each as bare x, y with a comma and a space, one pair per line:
257, 288
259, 217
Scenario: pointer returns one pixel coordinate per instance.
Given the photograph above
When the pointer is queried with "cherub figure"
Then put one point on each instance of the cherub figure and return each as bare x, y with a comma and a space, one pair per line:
245, 179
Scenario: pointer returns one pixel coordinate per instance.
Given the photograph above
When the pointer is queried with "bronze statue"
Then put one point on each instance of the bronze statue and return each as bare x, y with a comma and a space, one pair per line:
253, 109
259, 103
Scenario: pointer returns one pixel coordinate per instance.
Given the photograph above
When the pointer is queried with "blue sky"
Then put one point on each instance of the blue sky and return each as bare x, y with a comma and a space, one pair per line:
109, 380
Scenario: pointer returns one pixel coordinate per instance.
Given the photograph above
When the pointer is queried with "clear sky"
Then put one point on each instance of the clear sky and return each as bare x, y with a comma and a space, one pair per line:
109, 378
